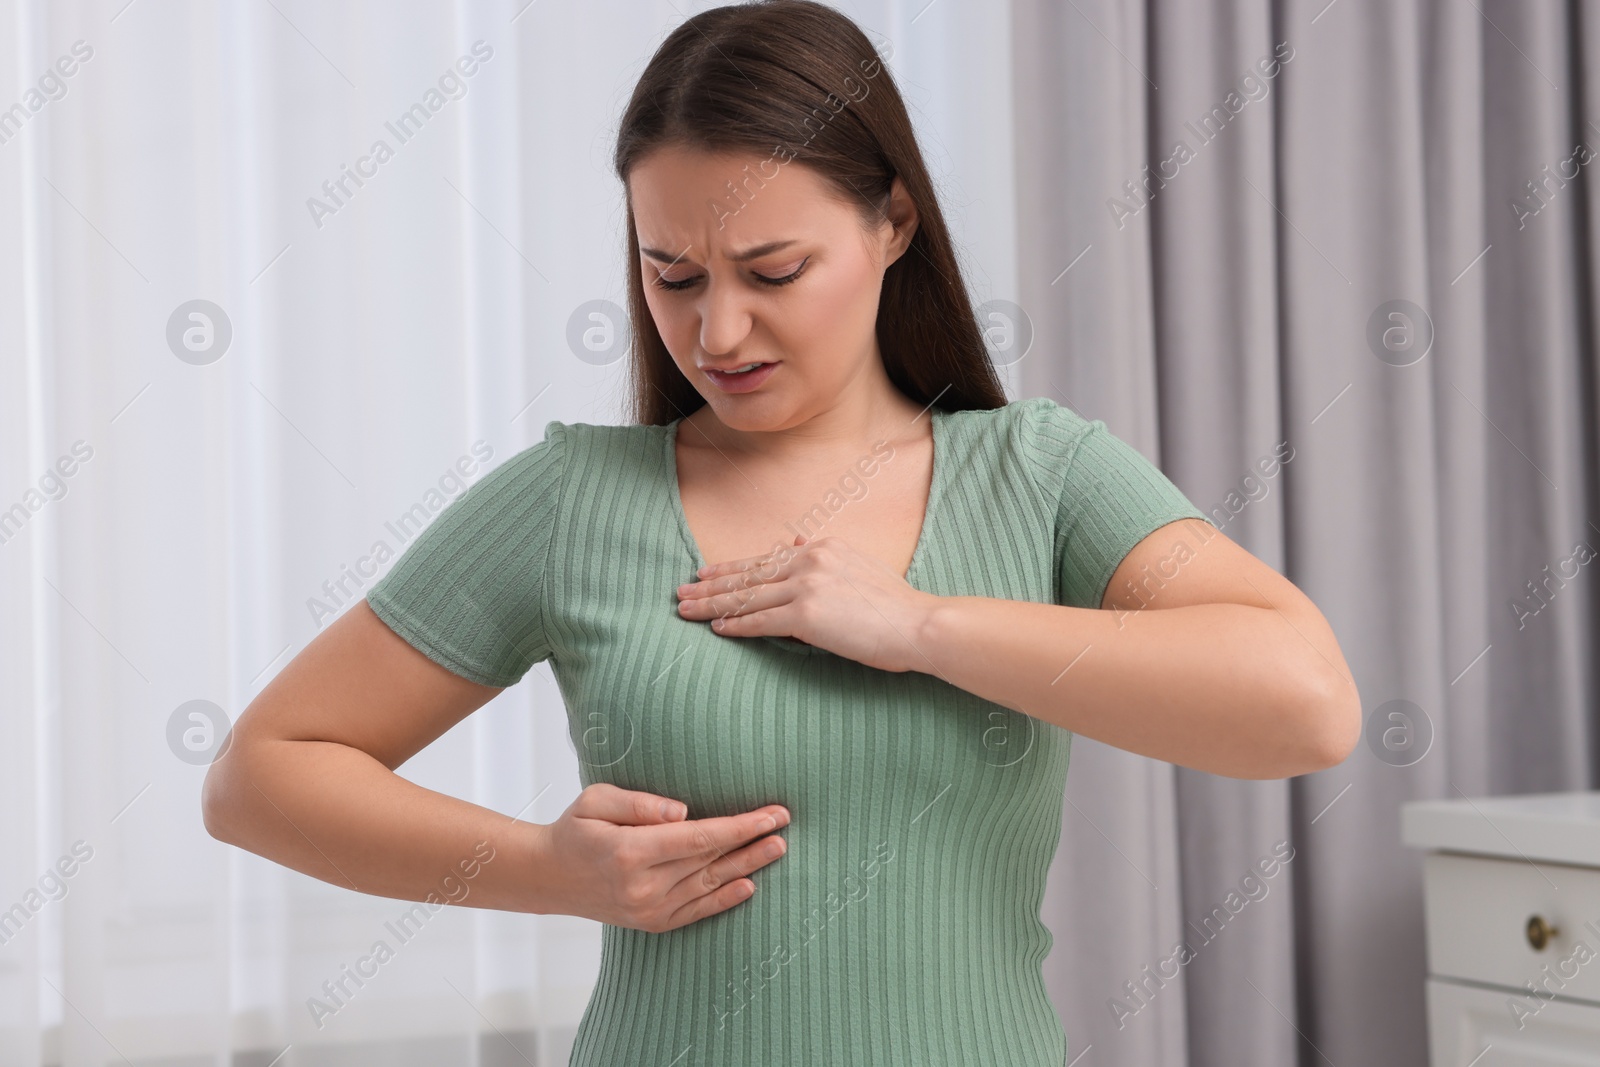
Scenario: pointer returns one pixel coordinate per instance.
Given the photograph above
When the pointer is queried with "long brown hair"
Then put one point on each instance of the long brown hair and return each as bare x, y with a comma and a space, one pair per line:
800, 83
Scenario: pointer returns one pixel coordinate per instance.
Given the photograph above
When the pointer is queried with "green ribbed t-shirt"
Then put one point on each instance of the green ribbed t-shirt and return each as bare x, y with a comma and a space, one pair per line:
902, 927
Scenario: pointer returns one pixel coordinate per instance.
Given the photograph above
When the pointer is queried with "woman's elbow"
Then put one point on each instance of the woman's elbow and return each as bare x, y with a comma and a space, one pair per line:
1331, 719
219, 793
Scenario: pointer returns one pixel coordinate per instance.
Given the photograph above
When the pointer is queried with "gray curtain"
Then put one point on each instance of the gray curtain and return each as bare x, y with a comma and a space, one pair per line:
1381, 258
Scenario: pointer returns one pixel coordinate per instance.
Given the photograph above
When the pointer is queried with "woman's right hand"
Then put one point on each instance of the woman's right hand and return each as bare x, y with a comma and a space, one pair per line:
614, 857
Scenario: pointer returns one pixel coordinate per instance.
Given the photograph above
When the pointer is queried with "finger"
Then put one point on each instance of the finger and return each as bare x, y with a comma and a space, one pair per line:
695, 878
709, 839
766, 563
742, 602
628, 807
733, 582
776, 621
711, 903
729, 566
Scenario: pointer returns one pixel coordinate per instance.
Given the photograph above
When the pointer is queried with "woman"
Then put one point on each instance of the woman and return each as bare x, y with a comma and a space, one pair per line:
846, 607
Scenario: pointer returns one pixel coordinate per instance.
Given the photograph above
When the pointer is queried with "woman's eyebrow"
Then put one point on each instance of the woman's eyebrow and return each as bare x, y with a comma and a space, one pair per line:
737, 257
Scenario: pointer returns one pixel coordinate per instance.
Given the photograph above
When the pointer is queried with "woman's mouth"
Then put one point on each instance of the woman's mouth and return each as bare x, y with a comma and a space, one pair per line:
742, 381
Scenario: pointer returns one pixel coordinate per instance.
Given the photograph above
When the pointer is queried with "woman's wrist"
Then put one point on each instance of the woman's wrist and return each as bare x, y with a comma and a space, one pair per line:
926, 637
535, 869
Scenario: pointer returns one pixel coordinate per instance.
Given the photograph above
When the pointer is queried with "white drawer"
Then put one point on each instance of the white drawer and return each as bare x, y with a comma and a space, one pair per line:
1477, 912
1466, 1022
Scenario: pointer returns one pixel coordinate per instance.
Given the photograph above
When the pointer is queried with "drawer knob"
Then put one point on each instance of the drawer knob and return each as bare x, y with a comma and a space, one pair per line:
1540, 932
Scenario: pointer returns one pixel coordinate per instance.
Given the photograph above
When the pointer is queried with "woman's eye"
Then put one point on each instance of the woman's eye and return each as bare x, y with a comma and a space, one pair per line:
674, 286
787, 278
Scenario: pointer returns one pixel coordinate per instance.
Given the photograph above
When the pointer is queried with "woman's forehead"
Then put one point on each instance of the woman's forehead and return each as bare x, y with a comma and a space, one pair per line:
730, 206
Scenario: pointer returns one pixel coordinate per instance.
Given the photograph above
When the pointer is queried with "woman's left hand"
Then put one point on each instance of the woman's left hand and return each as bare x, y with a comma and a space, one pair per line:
822, 592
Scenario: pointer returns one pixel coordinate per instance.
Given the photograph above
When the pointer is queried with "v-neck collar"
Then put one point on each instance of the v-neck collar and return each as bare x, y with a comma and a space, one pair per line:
935, 486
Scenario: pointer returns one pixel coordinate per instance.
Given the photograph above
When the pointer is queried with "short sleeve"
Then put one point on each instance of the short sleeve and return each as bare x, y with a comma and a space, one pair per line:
1107, 496
468, 593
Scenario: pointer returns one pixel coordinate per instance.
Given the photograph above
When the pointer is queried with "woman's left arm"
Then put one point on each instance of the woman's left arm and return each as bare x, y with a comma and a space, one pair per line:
1225, 666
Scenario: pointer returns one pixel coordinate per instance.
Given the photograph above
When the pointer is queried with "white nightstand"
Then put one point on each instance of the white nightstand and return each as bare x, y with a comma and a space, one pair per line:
1511, 894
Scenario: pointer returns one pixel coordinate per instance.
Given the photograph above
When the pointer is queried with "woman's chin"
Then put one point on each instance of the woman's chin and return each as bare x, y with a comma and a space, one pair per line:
751, 412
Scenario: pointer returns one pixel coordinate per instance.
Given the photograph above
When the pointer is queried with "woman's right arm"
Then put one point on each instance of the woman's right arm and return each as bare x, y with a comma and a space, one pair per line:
307, 779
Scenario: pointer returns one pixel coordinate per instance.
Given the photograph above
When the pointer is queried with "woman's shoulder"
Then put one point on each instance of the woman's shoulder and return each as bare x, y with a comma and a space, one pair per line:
1035, 424
603, 429
574, 439
569, 452
601, 454
1055, 446
1026, 409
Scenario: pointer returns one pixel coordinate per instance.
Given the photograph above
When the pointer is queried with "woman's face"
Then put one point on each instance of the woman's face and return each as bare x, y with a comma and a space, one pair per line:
781, 274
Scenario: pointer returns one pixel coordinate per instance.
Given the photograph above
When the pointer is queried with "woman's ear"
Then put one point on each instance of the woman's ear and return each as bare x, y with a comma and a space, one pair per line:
903, 216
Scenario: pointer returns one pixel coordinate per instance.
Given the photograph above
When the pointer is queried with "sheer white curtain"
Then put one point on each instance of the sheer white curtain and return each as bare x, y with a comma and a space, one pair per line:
241, 346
